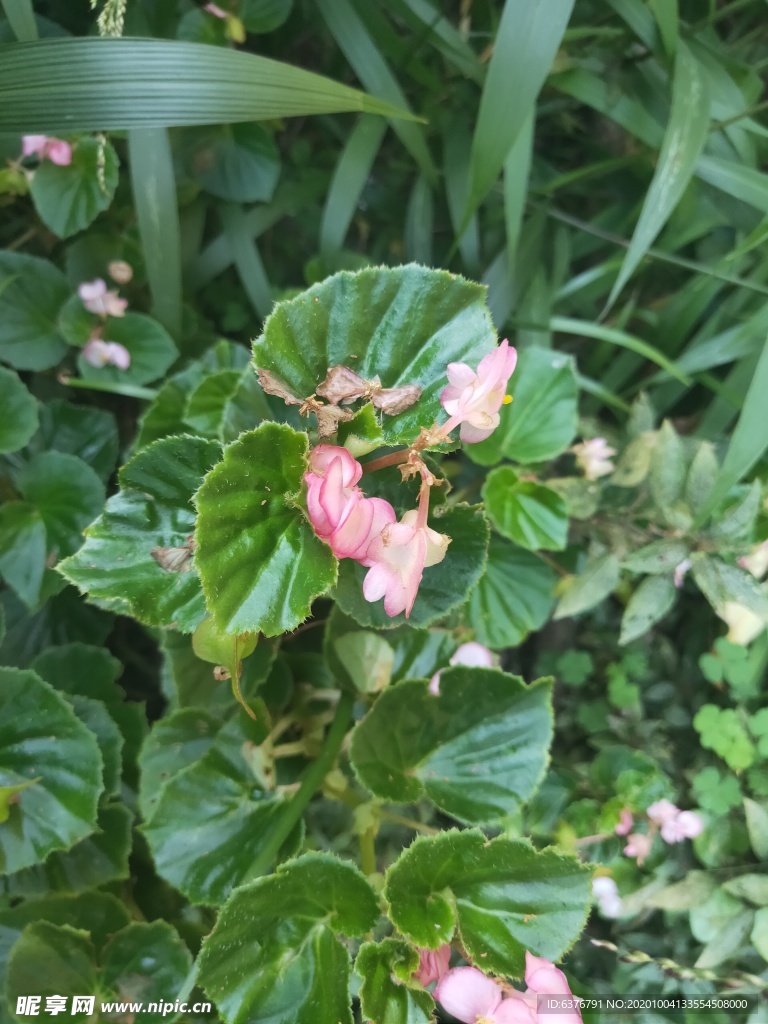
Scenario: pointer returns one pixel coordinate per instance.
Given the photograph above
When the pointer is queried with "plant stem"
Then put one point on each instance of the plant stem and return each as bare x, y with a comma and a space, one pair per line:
393, 459
310, 783
368, 851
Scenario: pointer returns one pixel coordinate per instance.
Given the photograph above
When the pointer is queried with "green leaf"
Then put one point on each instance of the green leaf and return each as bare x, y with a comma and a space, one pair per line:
594, 583
81, 430
207, 404
70, 198
153, 509
668, 468
389, 995
63, 618
150, 346
260, 563
59, 807
363, 661
513, 597
757, 826
649, 603
660, 556
684, 138
212, 817
22, 549
526, 43
19, 421
264, 15
753, 888
541, 421
443, 587
176, 741
50, 960
759, 936
701, 478
68, 495
722, 584
478, 750
32, 291
349, 179
189, 682
109, 80
235, 162
737, 520
274, 955
502, 895
727, 942
145, 962
526, 512
403, 324
94, 714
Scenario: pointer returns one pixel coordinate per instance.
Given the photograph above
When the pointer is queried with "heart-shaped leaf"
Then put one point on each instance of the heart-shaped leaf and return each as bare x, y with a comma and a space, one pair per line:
149, 345
48, 790
81, 430
235, 162
205, 409
478, 750
19, 421
69, 198
260, 563
68, 495
403, 325
153, 509
389, 994
530, 514
22, 549
541, 421
513, 597
32, 291
504, 897
274, 955
444, 586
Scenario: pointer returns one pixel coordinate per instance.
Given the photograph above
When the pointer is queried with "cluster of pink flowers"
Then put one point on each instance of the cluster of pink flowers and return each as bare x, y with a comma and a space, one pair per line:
366, 529
46, 147
673, 825
472, 997
102, 302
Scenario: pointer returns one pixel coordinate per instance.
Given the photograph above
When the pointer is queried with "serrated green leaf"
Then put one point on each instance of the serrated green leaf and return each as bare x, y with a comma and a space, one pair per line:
19, 420
22, 549
67, 493
592, 585
63, 618
176, 741
145, 962
502, 895
386, 996
513, 597
443, 587
50, 960
150, 346
32, 291
59, 807
526, 512
274, 955
649, 603
152, 509
478, 750
69, 198
94, 714
541, 421
260, 563
403, 324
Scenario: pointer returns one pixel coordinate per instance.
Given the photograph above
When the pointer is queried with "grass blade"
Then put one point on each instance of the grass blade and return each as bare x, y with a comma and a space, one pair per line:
684, 140
247, 259
456, 167
154, 196
587, 329
443, 36
419, 223
349, 179
21, 18
373, 71
528, 38
737, 180
91, 84
517, 168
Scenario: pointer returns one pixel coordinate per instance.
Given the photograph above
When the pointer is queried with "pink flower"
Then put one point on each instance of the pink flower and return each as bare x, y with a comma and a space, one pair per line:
340, 513
661, 811
433, 964
543, 978
215, 11
639, 846
98, 352
97, 299
472, 654
471, 997
56, 150
594, 457
625, 822
606, 892
399, 556
687, 825
473, 399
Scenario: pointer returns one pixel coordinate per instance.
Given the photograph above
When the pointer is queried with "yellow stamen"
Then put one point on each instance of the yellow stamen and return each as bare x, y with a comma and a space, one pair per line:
506, 400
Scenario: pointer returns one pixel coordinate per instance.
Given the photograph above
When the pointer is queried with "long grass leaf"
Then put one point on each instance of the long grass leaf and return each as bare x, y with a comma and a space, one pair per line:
90, 84
587, 329
750, 436
456, 168
21, 18
247, 259
528, 38
349, 179
438, 31
419, 222
684, 140
154, 196
373, 71
668, 19
737, 180
517, 167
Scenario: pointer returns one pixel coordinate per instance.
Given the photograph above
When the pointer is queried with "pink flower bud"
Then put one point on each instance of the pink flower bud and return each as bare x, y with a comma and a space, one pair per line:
639, 846
97, 299
100, 353
625, 822
661, 811
473, 399
215, 11
472, 654
433, 964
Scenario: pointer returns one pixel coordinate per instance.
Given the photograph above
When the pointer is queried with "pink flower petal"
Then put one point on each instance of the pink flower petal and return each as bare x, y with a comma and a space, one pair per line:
31, 144
433, 965
541, 976
468, 994
59, 152
516, 1010
473, 655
